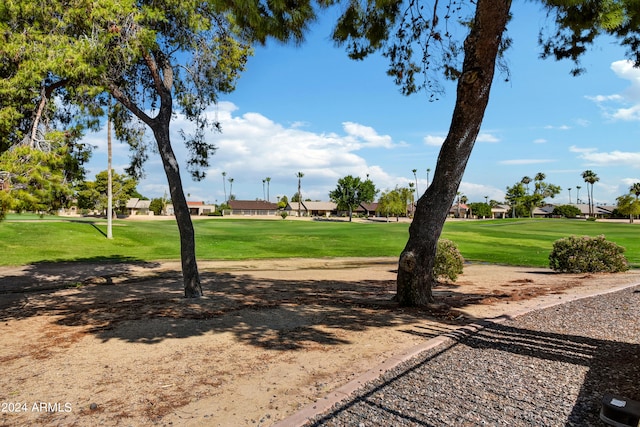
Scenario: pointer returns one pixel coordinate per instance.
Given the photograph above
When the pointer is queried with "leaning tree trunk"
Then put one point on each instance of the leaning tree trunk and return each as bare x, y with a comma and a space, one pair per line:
190, 275
415, 279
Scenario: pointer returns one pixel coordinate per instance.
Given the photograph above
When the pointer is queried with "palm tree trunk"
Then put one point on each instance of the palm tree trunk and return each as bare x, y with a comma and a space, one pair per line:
415, 279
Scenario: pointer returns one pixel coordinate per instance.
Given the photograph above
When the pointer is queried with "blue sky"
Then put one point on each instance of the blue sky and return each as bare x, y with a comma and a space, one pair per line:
313, 110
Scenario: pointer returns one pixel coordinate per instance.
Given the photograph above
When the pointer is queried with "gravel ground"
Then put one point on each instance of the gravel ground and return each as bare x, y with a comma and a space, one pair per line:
547, 368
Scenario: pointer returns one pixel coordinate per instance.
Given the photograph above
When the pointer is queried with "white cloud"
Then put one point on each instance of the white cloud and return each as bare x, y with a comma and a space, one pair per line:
623, 106
433, 140
561, 127
367, 135
252, 147
477, 192
487, 137
540, 141
613, 158
576, 149
604, 98
630, 181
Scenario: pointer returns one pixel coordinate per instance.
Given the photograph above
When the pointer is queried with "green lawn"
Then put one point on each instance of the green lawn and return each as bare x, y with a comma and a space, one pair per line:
514, 242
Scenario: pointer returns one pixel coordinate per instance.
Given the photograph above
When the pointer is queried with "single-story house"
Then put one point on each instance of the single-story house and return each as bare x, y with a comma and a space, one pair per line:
368, 209
499, 211
136, 206
252, 207
459, 210
598, 210
195, 208
319, 208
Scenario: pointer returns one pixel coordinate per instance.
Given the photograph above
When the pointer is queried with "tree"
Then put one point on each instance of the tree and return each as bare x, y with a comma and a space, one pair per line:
94, 195
299, 175
154, 58
628, 204
590, 177
522, 198
515, 195
567, 211
231, 197
635, 189
392, 202
283, 202
481, 210
36, 179
157, 206
268, 179
224, 185
351, 191
413, 37
526, 181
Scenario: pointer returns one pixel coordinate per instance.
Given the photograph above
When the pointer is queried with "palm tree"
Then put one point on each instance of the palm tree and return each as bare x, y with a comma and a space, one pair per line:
635, 189
526, 180
224, 185
428, 170
578, 194
264, 194
268, 179
569, 195
299, 175
590, 178
415, 177
411, 190
230, 188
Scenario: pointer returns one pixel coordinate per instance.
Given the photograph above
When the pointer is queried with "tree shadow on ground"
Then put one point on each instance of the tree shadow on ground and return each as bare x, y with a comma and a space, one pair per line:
427, 392
269, 313
53, 274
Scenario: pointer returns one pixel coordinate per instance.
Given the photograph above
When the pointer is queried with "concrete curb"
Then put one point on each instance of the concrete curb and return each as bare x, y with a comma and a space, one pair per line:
344, 392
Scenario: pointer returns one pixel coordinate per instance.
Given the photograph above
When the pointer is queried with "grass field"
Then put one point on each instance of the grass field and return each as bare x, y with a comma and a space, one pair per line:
512, 242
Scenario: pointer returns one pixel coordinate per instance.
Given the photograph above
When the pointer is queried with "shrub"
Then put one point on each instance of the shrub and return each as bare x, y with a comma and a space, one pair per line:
449, 261
284, 214
587, 255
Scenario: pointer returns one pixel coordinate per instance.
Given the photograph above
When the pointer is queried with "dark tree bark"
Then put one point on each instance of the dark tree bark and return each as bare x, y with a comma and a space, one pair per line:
162, 74
190, 275
415, 279
160, 127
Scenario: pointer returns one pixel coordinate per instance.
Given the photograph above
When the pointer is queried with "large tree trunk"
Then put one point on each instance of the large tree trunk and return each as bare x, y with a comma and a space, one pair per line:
415, 279
190, 275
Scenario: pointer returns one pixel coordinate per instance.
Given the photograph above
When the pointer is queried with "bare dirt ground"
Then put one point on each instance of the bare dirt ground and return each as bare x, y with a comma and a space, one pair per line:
116, 344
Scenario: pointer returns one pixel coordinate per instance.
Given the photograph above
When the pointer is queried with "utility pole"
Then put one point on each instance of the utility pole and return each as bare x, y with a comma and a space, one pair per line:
109, 178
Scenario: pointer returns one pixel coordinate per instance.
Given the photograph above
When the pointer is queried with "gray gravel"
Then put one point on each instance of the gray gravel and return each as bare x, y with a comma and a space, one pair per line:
546, 368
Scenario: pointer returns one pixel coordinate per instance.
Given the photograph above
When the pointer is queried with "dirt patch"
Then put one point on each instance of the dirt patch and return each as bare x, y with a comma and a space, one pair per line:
112, 344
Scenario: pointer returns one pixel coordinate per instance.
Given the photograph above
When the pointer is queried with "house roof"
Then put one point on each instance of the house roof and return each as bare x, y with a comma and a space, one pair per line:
318, 206
253, 205
371, 207
599, 210
135, 203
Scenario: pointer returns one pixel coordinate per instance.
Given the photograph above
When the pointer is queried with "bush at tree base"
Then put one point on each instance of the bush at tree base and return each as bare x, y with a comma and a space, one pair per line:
449, 261
587, 254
